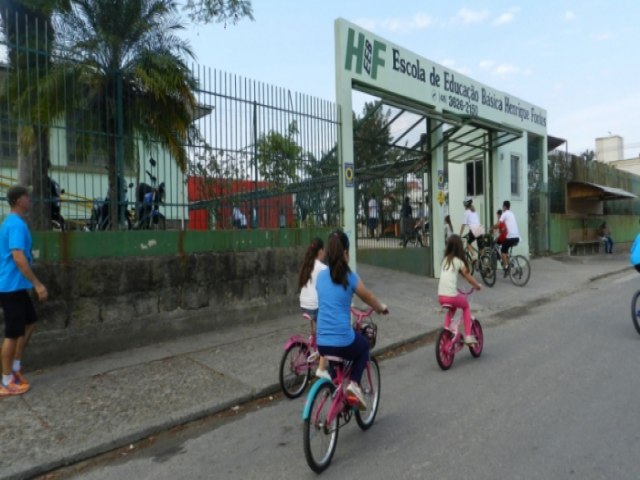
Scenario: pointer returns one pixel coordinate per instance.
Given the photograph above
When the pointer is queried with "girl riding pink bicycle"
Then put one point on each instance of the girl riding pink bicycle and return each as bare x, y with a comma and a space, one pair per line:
448, 294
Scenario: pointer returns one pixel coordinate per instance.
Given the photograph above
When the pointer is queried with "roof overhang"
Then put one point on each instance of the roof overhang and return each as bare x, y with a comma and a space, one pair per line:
593, 191
554, 142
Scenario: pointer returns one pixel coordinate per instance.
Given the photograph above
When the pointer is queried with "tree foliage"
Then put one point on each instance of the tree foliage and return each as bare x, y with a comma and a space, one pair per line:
220, 11
279, 157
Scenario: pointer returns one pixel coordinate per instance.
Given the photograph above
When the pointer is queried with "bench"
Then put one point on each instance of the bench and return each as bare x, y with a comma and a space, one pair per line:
584, 241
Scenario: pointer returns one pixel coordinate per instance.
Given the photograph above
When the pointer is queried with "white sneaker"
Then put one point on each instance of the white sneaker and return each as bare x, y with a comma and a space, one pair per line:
323, 374
470, 340
357, 395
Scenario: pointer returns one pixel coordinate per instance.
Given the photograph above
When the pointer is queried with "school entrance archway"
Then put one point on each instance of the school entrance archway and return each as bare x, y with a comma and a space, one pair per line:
419, 133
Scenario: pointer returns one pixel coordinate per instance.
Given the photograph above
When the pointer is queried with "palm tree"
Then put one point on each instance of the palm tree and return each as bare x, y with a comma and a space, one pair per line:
123, 71
96, 43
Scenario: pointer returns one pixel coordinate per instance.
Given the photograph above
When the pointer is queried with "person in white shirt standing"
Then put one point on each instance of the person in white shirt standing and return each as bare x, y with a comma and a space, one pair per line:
513, 234
373, 215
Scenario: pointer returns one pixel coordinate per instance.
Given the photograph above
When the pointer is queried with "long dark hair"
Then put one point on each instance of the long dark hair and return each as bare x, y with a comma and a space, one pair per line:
454, 249
309, 261
338, 266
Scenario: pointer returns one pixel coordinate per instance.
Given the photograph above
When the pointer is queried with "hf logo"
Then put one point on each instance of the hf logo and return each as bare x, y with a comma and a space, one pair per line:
367, 55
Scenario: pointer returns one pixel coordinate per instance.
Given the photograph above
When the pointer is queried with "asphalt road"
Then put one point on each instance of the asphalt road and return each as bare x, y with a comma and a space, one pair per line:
553, 396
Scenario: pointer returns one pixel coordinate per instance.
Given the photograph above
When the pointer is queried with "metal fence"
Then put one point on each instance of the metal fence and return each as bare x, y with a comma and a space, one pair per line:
252, 155
391, 159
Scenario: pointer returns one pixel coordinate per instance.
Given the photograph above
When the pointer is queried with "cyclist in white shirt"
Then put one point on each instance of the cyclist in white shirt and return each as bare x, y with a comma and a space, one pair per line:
472, 220
513, 234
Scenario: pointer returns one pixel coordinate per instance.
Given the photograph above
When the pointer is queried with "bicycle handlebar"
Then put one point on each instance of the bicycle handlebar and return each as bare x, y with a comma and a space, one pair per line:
467, 292
362, 314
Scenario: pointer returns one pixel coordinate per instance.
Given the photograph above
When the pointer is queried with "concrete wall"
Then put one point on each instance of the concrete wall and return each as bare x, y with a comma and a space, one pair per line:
105, 305
114, 290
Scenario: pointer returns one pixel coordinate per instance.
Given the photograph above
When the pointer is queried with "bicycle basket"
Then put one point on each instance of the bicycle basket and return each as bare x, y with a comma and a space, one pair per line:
485, 240
370, 331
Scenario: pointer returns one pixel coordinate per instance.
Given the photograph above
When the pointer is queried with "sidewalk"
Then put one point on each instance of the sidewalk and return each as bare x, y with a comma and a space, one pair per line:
79, 410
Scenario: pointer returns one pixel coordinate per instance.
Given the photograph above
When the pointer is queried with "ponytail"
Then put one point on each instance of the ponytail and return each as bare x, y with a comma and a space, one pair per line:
339, 269
309, 261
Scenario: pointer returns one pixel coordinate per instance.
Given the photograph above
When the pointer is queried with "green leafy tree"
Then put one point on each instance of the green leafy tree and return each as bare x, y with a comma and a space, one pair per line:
373, 156
127, 69
278, 157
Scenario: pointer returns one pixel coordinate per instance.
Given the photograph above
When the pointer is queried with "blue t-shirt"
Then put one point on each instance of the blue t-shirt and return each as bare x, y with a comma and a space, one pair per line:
635, 251
334, 315
14, 235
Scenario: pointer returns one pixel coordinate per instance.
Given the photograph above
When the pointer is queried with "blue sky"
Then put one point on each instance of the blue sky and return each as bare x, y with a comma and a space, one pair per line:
576, 59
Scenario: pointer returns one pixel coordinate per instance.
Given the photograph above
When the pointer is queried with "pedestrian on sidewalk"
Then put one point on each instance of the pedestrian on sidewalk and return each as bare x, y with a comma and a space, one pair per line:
16, 280
605, 234
336, 336
311, 267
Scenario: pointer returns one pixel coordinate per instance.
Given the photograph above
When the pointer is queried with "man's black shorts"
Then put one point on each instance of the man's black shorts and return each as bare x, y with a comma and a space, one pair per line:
18, 312
508, 243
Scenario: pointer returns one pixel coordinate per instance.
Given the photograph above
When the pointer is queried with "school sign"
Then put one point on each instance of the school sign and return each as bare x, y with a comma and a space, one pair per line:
369, 63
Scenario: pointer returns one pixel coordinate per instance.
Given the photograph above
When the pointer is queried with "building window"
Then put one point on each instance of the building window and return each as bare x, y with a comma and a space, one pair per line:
515, 176
475, 178
85, 147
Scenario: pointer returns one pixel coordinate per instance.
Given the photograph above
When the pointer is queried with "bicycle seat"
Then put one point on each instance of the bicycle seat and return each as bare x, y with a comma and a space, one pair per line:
306, 316
333, 358
447, 306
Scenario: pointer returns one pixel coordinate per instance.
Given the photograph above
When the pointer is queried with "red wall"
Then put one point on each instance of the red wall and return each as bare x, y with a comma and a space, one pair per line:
200, 189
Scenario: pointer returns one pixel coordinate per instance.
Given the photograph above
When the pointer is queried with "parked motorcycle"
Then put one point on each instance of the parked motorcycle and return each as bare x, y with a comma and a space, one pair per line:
55, 192
149, 196
100, 215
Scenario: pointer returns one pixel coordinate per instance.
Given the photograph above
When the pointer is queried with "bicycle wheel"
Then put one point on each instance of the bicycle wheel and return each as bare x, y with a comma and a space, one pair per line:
470, 263
635, 311
487, 269
295, 370
519, 270
444, 349
476, 330
370, 385
320, 438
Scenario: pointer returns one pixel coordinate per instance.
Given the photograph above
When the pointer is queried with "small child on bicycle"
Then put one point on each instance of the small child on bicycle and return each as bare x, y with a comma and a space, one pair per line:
453, 264
311, 267
501, 227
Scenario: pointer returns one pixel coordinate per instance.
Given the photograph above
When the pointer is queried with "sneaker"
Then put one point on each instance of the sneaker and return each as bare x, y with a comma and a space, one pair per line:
506, 272
355, 396
12, 389
313, 357
19, 379
470, 340
323, 374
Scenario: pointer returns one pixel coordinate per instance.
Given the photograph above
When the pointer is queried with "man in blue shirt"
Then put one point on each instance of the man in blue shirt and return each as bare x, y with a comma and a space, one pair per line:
16, 279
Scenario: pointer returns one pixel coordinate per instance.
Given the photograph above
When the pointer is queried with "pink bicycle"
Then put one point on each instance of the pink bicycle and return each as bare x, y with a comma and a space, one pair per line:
299, 361
327, 407
451, 341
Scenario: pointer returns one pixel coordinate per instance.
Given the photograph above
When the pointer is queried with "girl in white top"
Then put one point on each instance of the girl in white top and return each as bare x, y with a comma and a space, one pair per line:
311, 266
452, 265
